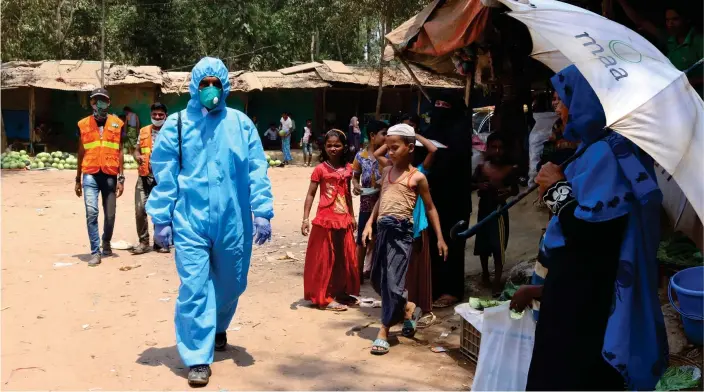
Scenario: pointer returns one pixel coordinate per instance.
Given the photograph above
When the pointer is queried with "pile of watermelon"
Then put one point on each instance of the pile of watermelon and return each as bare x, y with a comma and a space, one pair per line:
15, 160
57, 160
272, 162
130, 162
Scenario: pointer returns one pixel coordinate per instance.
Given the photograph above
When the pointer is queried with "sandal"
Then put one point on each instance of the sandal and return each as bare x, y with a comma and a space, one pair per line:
380, 347
336, 307
426, 321
409, 326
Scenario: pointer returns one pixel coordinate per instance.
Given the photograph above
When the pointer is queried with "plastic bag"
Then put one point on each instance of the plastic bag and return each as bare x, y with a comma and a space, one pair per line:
505, 351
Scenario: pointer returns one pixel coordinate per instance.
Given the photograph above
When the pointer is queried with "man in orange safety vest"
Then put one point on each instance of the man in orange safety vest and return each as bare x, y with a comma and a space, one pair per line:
100, 170
145, 182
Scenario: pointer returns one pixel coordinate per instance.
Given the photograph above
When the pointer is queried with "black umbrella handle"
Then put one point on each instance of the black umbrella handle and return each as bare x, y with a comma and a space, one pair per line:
455, 233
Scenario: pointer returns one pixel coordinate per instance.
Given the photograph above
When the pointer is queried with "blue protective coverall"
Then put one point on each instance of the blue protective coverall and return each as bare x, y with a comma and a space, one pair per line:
210, 203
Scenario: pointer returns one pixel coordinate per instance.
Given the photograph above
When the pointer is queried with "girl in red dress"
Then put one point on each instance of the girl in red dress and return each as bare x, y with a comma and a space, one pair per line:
330, 274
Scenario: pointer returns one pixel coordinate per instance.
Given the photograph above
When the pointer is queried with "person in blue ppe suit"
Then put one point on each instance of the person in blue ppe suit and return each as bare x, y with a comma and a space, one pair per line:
212, 192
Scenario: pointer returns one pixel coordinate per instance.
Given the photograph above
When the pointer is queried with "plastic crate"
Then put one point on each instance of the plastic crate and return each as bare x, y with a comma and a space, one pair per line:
470, 340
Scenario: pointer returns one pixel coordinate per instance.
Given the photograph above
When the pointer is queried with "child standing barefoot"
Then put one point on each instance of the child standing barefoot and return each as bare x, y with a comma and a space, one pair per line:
330, 274
496, 182
400, 187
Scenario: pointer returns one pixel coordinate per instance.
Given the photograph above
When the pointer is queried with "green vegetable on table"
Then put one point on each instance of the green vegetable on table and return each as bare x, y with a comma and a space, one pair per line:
679, 377
481, 303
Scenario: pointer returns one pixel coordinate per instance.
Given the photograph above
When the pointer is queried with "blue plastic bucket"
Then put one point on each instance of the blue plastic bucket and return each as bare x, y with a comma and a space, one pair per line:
689, 285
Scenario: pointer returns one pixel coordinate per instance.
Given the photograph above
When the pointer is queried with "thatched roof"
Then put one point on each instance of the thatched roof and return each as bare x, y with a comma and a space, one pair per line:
177, 82
394, 76
67, 75
79, 75
280, 81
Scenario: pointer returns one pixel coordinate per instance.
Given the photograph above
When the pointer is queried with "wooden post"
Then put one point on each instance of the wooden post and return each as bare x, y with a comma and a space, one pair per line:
380, 90
418, 110
325, 110
246, 104
3, 142
467, 89
31, 119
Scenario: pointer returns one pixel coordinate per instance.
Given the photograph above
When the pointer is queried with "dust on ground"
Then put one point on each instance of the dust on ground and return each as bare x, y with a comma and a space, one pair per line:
70, 327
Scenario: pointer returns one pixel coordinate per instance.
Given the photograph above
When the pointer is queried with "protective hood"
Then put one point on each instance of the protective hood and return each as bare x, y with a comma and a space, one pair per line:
586, 119
208, 66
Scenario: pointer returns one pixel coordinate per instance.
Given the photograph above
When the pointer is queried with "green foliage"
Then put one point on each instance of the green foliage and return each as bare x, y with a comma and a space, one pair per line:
174, 34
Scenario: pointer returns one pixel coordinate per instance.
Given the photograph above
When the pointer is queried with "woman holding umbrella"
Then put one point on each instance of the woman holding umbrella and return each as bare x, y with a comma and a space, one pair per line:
600, 325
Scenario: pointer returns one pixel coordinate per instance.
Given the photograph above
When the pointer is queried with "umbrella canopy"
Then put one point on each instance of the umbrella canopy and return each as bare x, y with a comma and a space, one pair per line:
646, 99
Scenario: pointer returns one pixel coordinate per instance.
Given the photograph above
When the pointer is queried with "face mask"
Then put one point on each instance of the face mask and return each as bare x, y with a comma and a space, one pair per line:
210, 96
158, 123
100, 110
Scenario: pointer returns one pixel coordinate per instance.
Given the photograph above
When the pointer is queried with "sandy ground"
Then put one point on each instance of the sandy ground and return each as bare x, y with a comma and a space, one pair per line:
79, 328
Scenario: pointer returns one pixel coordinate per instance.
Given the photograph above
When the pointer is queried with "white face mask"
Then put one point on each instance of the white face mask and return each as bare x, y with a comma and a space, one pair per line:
158, 123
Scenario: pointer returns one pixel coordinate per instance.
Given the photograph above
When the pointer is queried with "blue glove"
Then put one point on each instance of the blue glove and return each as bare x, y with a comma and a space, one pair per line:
163, 236
262, 230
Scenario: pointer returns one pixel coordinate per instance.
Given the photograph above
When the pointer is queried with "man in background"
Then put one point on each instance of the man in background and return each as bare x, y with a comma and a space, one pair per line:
100, 170
286, 131
680, 41
145, 182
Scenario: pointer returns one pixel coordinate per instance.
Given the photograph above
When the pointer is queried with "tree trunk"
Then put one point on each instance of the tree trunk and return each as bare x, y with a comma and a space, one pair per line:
312, 47
368, 53
317, 43
339, 52
385, 27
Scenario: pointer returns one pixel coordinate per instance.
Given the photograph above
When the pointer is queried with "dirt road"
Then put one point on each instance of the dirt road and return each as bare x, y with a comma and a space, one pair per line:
71, 327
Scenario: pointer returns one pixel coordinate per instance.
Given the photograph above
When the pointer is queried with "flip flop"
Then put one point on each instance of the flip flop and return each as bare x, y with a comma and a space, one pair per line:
409, 326
380, 347
426, 321
336, 307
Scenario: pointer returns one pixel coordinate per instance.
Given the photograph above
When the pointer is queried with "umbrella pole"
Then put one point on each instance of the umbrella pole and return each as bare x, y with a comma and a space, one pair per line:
455, 232
410, 71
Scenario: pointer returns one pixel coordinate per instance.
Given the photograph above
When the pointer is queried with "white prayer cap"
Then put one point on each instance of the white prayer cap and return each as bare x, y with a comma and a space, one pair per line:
401, 130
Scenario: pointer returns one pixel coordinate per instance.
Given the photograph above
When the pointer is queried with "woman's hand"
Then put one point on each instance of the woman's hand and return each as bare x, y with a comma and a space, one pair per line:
521, 298
442, 249
305, 227
549, 174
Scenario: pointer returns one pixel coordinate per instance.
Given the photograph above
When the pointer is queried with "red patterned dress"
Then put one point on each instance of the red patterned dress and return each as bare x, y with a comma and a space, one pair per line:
331, 262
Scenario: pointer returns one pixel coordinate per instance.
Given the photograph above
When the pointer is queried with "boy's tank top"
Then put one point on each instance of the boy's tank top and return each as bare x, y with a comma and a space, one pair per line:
398, 199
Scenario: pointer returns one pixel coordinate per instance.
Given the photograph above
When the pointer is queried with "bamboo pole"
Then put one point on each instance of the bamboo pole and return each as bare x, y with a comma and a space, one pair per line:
410, 71
467, 89
32, 111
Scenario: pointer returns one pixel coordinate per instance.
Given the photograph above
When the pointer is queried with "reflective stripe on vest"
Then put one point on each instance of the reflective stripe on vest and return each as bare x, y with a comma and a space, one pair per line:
101, 151
98, 143
145, 147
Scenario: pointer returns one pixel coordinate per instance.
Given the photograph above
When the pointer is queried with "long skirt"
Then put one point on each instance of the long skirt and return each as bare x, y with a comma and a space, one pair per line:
418, 279
394, 243
331, 265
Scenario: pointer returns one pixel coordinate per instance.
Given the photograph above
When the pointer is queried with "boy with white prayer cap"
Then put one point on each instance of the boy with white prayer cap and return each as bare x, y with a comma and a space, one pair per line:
401, 184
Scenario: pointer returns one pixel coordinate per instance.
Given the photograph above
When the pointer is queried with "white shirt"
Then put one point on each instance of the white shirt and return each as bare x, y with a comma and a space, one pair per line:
306, 135
286, 124
270, 134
